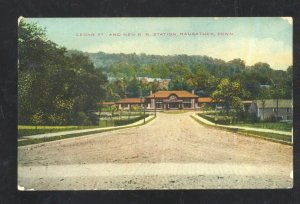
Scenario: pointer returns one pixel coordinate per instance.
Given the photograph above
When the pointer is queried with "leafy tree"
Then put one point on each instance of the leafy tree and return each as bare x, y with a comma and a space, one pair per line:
229, 92
202, 80
134, 88
235, 66
51, 84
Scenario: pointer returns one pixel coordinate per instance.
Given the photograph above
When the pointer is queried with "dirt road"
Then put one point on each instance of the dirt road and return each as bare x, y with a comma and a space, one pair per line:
172, 151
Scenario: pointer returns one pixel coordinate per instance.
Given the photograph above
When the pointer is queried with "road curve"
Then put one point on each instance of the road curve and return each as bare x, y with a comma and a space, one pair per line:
151, 156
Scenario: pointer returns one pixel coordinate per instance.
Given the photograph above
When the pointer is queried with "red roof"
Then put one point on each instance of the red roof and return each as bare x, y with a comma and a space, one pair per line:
179, 94
205, 100
106, 103
131, 100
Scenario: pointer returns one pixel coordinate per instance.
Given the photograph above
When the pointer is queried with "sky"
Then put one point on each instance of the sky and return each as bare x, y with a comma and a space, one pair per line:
252, 39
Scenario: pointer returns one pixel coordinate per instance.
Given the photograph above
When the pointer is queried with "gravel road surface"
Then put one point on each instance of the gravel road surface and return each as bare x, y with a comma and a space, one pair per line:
171, 152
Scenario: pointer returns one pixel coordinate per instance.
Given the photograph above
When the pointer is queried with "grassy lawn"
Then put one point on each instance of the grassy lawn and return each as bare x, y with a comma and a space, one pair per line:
225, 120
48, 139
269, 125
285, 139
24, 130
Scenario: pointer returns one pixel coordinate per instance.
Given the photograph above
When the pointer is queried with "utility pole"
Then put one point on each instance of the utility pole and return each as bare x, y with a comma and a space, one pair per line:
144, 111
100, 112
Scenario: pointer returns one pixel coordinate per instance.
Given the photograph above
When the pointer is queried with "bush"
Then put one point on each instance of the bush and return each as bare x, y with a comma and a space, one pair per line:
222, 120
57, 119
129, 121
253, 118
80, 118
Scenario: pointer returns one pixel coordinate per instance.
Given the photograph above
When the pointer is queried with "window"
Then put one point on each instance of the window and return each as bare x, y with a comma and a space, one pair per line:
159, 103
173, 98
187, 103
274, 110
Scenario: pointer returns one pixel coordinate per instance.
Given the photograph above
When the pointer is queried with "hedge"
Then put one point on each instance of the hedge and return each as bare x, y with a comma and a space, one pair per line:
222, 120
129, 121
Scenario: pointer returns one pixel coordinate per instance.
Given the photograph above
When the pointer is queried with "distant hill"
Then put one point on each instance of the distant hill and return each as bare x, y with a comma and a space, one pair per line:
104, 60
170, 66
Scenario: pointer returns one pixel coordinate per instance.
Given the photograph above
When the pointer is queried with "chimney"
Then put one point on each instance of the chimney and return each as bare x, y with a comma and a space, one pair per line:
193, 91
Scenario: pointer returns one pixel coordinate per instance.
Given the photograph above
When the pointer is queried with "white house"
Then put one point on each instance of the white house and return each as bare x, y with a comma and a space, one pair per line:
268, 108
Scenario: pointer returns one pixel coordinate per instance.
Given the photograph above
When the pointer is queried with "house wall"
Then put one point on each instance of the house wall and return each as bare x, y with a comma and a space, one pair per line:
126, 106
164, 105
253, 109
284, 113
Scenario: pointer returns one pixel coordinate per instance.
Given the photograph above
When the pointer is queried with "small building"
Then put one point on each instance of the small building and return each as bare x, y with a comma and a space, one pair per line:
268, 109
165, 100
246, 105
205, 102
127, 103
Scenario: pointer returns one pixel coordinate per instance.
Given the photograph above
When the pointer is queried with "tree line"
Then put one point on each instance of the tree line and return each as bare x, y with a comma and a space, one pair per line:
57, 86
199, 73
53, 88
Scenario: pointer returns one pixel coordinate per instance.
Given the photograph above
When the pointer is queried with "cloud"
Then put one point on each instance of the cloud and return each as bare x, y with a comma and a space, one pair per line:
288, 19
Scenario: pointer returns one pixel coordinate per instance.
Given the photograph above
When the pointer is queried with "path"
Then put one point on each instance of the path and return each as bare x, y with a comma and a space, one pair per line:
173, 151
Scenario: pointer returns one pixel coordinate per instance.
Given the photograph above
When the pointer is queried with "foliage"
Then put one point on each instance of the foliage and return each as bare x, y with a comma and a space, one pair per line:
218, 119
199, 73
136, 108
286, 126
229, 92
54, 88
25, 130
128, 121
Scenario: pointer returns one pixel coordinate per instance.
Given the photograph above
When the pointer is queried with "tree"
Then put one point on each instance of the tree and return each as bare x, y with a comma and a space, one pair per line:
235, 66
202, 80
229, 92
134, 88
52, 86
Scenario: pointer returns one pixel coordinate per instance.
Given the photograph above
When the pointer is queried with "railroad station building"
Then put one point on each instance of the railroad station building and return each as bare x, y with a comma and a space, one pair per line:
168, 100
165, 100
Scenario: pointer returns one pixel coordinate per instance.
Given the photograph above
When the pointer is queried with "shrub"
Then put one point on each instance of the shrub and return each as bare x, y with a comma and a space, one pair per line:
80, 118
253, 118
129, 121
222, 120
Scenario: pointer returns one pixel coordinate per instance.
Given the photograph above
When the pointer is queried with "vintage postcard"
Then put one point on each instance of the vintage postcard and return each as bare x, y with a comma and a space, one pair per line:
155, 103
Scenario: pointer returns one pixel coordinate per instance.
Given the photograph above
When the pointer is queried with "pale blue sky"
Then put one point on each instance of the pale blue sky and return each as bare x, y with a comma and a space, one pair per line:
254, 39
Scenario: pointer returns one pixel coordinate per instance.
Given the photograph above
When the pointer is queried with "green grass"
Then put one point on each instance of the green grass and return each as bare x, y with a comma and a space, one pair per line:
269, 125
284, 139
48, 139
275, 136
225, 120
25, 130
